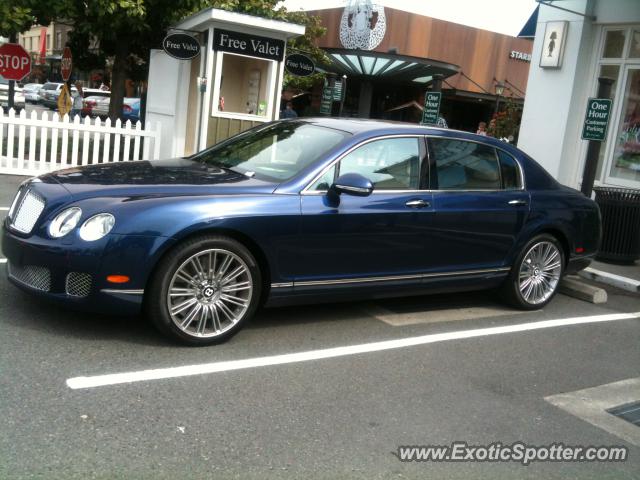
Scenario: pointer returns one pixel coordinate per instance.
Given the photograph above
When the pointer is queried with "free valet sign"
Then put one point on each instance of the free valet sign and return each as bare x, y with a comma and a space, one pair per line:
251, 45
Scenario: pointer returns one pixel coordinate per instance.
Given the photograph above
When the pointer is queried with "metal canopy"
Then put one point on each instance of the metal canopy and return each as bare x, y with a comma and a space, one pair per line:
387, 66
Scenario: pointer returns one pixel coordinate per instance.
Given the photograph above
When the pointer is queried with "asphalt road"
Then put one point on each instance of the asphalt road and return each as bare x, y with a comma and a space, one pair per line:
339, 417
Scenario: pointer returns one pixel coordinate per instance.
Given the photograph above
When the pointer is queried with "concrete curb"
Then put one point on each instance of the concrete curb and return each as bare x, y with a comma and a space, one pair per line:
573, 287
612, 279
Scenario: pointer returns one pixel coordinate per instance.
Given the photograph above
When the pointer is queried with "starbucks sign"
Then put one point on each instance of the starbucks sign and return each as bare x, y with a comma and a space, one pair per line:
363, 25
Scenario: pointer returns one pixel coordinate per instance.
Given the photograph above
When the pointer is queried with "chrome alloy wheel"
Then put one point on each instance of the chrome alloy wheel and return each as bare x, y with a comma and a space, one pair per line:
540, 272
209, 293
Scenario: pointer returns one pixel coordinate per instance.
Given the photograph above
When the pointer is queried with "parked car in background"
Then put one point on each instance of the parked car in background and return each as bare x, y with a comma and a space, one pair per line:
131, 109
49, 94
303, 210
18, 97
98, 106
32, 92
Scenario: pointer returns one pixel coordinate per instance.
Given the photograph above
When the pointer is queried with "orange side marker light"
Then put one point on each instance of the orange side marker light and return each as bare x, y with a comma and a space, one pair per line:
117, 278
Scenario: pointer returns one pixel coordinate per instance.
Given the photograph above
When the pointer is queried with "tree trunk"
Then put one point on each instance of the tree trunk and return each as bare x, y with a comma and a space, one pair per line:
118, 78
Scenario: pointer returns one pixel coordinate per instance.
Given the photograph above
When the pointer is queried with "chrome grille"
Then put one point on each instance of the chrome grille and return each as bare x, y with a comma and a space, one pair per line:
31, 275
27, 212
78, 284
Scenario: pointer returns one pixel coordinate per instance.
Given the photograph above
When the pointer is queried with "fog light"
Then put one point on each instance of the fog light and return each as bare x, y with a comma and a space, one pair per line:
117, 279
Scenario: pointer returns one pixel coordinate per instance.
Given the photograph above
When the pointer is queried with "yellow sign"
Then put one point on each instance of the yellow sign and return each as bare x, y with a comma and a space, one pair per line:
64, 101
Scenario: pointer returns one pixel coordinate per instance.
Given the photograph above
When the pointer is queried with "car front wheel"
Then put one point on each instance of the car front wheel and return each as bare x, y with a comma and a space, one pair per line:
535, 276
204, 291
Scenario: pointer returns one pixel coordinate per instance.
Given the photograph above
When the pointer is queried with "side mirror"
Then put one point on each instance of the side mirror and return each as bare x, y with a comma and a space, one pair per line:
352, 184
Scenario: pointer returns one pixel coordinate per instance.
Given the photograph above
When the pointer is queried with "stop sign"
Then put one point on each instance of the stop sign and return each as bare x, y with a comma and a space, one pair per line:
15, 61
66, 65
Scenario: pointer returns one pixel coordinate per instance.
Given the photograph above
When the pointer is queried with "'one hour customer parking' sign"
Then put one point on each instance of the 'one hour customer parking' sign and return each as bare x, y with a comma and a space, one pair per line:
596, 119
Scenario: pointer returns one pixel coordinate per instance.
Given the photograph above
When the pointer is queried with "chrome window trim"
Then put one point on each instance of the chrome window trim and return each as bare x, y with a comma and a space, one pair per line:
389, 278
523, 186
306, 191
520, 170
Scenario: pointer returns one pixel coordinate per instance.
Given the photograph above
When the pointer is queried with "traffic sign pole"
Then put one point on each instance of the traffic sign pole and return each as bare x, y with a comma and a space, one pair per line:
12, 83
593, 150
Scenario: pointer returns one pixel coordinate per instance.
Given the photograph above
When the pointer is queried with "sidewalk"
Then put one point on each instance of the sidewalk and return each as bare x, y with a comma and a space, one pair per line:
626, 277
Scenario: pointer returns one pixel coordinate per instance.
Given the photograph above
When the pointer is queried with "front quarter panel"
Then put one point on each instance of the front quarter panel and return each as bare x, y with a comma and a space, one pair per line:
269, 222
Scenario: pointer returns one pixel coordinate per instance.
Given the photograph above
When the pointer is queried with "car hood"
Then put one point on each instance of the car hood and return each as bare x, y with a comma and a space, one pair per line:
174, 177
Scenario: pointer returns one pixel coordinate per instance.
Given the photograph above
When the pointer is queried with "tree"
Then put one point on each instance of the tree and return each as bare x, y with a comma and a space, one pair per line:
125, 30
17, 16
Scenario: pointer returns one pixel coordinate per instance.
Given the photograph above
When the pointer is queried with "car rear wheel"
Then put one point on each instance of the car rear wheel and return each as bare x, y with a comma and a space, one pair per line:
204, 291
535, 276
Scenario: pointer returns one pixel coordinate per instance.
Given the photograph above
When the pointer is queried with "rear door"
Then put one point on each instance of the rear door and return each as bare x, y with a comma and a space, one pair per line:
480, 204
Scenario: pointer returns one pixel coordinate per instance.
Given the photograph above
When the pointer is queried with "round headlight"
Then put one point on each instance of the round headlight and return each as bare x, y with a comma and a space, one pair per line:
97, 227
64, 222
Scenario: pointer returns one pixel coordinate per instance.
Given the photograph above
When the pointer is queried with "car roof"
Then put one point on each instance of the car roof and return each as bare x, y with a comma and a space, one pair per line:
373, 127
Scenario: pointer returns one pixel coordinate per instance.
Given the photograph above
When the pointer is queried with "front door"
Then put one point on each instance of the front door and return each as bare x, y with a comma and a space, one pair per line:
369, 237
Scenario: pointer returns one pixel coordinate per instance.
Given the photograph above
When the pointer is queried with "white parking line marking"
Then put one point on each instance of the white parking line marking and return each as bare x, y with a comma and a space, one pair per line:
4, 208
226, 366
3, 260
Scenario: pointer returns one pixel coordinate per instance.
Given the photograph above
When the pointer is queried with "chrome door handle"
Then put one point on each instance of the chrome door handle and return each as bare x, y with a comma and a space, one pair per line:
417, 204
517, 203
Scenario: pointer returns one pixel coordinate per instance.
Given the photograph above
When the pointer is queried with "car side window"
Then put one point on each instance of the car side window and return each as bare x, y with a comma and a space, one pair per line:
390, 163
325, 181
462, 165
510, 171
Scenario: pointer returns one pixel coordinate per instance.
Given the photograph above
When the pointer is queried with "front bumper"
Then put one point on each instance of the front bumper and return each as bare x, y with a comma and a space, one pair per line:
50, 268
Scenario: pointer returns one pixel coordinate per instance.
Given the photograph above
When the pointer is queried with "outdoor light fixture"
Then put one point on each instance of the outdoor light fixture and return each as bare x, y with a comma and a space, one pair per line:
499, 88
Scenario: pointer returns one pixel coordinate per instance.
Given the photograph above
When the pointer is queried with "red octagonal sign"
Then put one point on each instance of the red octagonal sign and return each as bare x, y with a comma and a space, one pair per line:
15, 61
66, 64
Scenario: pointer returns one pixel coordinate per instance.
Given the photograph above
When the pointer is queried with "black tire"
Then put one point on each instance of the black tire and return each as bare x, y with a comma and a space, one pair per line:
511, 288
157, 292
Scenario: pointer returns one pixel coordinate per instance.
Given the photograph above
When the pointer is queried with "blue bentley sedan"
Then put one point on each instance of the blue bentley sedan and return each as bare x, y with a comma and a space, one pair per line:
303, 210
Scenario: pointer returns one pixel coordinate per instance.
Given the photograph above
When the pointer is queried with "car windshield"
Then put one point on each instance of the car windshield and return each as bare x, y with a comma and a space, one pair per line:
276, 152
50, 86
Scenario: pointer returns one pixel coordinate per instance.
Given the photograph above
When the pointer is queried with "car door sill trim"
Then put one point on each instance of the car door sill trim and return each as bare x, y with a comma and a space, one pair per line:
388, 278
125, 292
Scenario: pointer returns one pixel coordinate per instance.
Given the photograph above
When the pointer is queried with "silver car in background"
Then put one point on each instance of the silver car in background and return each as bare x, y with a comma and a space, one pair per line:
32, 92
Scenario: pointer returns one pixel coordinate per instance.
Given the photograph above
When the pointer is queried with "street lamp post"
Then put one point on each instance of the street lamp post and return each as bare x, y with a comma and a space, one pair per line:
344, 94
499, 91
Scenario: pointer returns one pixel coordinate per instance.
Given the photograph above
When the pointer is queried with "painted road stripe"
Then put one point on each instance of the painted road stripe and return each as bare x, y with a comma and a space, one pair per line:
3, 260
4, 208
226, 366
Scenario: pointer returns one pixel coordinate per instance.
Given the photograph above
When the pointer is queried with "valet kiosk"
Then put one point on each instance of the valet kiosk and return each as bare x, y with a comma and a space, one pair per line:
233, 84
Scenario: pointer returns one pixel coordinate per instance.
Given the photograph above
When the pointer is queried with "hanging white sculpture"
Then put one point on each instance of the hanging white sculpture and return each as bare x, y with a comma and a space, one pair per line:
363, 25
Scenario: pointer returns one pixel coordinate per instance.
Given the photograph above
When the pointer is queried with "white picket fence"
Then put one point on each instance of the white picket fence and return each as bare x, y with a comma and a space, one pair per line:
30, 145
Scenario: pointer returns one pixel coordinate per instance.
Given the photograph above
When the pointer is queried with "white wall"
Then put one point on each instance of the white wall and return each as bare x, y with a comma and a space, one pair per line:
167, 101
549, 131
556, 99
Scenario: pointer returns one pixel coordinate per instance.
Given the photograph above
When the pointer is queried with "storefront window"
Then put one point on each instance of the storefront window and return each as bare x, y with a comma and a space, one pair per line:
244, 85
609, 71
619, 159
626, 155
614, 44
634, 49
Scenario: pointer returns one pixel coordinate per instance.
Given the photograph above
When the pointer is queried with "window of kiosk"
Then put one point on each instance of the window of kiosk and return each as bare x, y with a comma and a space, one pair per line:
244, 86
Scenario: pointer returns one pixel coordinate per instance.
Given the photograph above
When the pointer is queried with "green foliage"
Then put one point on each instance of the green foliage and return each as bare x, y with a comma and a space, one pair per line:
19, 15
506, 123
